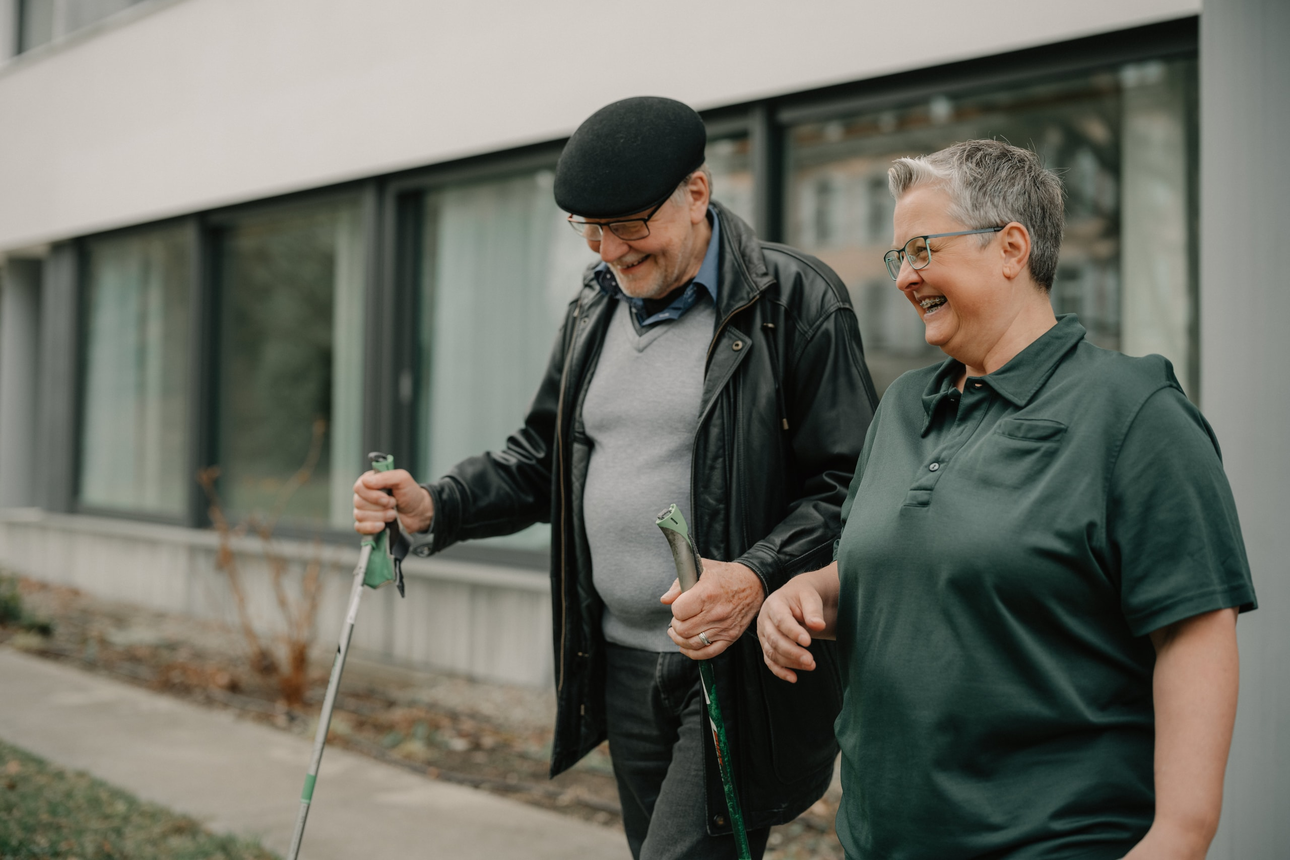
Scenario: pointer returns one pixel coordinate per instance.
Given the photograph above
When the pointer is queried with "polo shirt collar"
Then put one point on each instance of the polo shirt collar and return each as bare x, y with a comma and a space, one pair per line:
1020, 379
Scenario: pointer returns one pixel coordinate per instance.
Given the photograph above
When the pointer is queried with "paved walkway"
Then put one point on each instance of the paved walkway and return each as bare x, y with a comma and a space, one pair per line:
239, 777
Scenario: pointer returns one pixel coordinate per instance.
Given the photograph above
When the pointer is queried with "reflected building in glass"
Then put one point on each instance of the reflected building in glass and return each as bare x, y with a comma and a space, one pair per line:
1120, 141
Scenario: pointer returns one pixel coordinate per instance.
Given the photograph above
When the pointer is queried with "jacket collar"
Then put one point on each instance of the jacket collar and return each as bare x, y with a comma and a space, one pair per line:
744, 275
1020, 379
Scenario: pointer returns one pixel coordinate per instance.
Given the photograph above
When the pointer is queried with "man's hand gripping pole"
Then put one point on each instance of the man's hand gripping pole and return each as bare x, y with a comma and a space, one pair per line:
688, 569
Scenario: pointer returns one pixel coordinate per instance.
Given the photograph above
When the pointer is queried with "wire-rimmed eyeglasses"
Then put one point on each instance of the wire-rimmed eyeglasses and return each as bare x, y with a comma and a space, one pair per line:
919, 254
628, 230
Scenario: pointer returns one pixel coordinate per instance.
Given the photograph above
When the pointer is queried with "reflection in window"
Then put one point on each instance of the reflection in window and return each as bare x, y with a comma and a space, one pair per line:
732, 179
291, 355
498, 268
135, 395
1119, 140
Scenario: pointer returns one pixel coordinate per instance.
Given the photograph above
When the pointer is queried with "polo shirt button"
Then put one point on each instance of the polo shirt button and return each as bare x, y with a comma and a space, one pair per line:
737, 345
934, 466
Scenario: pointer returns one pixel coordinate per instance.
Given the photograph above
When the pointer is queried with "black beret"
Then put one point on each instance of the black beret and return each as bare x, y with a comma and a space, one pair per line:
628, 157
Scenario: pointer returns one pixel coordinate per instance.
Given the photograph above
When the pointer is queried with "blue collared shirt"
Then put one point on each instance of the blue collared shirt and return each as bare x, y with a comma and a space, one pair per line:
706, 278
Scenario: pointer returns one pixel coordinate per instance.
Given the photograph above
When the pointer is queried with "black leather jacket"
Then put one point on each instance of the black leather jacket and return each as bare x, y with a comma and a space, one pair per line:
786, 403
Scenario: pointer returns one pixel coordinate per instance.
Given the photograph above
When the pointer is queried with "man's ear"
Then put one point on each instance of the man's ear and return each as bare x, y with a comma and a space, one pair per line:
1014, 245
700, 196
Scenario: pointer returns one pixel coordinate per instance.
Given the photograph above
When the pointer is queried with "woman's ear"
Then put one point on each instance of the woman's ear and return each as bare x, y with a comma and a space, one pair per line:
1014, 243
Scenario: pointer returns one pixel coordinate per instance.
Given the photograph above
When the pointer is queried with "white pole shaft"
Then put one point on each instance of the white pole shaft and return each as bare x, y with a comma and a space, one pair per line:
329, 701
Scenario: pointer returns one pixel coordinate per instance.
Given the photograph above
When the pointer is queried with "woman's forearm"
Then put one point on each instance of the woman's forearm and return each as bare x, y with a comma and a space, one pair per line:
1195, 688
826, 584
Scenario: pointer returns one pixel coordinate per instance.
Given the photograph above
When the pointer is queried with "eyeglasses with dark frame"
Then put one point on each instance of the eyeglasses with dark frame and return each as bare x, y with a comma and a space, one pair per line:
629, 230
919, 254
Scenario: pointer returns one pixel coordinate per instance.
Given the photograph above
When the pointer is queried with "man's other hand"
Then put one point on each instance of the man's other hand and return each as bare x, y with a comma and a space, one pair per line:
720, 606
373, 507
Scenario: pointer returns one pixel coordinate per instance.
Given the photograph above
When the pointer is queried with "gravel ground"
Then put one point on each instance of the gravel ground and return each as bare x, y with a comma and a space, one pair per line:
491, 736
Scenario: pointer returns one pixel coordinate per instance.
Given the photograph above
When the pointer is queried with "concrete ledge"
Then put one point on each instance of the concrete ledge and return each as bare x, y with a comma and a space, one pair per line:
482, 621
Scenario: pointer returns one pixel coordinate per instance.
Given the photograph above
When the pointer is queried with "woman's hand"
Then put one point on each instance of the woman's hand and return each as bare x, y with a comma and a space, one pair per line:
1162, 843
806, 607
373, 507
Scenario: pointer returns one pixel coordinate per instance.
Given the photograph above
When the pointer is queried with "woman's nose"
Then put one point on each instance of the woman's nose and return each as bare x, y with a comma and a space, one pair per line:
908, 278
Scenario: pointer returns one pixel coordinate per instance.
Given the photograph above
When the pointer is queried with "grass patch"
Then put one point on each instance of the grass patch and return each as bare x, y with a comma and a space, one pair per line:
47, 812
14, 614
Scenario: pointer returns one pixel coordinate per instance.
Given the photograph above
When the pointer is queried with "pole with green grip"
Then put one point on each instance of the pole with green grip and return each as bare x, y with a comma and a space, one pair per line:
688, 569
376, 566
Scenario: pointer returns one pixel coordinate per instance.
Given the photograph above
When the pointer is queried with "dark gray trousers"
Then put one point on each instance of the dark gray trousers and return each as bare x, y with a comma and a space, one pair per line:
656, 719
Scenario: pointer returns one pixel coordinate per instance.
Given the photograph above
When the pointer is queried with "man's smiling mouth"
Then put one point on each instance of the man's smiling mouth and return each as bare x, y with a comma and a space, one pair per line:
631, 267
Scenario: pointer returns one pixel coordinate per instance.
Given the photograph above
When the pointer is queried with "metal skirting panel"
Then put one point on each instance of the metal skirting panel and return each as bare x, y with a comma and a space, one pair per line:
1245, 204
483, 622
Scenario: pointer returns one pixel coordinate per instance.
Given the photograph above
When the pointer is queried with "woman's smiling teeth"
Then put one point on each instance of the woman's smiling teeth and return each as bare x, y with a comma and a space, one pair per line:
931, 304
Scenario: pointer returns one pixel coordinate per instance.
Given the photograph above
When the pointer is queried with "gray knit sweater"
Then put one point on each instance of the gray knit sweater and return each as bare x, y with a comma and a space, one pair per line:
641, 413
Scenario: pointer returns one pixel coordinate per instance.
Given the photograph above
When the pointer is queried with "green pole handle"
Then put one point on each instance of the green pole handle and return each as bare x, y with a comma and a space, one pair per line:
380, 567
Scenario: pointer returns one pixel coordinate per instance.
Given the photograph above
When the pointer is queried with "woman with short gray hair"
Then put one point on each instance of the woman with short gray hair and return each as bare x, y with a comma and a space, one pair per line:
1036, 589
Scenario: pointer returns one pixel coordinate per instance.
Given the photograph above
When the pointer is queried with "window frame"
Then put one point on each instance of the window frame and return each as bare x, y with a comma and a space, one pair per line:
1177, 39
212, 224
397, 368
80, 377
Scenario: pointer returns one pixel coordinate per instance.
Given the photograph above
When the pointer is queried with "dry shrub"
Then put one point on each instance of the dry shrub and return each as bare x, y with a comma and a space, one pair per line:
287, 665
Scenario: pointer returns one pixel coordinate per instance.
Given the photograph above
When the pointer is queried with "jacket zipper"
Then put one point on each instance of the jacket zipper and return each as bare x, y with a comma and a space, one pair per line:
694, 443
559, 447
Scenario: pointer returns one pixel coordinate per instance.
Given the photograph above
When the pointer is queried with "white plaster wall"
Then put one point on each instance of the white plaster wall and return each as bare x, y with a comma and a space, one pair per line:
181, 106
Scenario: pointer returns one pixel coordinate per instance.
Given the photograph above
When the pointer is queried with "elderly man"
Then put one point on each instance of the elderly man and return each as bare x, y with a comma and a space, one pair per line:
700, 366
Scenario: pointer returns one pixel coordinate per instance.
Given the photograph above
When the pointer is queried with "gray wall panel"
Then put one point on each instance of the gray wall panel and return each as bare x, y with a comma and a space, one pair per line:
56, 418
8, 29
1245, 301
19, 363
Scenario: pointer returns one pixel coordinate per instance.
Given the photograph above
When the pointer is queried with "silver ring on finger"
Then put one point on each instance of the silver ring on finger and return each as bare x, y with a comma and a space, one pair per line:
703, 637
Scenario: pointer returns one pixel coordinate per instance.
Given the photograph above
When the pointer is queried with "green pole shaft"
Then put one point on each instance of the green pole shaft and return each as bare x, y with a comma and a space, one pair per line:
688, 569
723, 758
329, 701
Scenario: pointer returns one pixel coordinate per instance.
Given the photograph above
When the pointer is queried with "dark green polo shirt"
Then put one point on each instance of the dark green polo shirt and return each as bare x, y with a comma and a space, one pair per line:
1004, 554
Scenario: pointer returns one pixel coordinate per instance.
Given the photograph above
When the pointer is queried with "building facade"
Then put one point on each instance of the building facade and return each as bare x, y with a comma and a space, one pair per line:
255, 235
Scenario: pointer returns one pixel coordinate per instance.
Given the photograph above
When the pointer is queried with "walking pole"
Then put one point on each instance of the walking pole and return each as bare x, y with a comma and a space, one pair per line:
688, 569
377, 565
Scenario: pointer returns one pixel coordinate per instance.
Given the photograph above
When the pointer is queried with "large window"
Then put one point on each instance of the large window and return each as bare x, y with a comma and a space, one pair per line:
1120, 140
42, 21
729, 161
290, 369
134, 402
498, 267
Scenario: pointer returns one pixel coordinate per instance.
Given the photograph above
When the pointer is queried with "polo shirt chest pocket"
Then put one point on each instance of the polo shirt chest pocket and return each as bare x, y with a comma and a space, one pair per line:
1018, 452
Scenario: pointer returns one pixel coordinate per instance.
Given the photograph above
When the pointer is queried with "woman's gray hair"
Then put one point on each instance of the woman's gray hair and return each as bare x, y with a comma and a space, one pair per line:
991, 183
